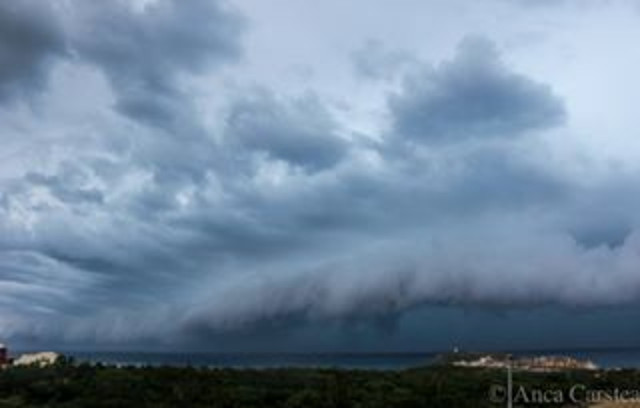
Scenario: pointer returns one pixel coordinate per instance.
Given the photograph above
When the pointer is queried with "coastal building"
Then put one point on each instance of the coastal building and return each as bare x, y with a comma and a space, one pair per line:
551, 363
537, 364
4, 355
40, 359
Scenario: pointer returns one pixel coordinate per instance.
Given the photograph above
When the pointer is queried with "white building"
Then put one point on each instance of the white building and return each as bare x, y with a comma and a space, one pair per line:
41, 359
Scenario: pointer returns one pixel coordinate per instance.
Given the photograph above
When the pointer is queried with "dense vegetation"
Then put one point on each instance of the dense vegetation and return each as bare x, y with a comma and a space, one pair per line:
70, 385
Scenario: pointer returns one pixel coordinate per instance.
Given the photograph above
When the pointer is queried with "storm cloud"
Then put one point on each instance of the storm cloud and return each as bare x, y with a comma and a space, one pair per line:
300, 132
473, 96
31, 38
144, 51
177, 170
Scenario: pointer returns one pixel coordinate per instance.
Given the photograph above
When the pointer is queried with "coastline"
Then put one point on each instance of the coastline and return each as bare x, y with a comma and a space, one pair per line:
609, 359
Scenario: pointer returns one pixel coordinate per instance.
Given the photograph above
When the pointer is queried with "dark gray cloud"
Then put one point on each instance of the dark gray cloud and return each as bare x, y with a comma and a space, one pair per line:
301, 132
602, 233
31, 38
473, 96
249, 253
144, 52
151, 45
492, 270
68, 186
603, 217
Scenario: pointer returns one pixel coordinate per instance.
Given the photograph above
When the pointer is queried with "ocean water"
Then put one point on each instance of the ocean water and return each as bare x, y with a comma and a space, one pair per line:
617, 358
386, 361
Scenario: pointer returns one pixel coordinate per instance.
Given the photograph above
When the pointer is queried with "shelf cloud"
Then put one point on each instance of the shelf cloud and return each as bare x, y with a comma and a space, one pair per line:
168, 161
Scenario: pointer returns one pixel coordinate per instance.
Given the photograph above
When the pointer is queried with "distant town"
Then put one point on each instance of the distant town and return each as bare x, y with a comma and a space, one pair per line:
532, 363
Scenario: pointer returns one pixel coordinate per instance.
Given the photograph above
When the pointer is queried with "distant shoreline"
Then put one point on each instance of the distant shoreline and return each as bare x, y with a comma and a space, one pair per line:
607, 359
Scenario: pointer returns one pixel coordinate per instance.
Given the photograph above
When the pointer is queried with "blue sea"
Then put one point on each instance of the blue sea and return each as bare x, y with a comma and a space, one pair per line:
617, 358
384, 361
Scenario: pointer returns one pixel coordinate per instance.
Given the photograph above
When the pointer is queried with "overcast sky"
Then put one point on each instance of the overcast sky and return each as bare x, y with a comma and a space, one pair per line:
297, 175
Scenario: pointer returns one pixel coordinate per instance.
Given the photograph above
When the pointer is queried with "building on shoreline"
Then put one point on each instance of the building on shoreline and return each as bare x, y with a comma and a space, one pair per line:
538, 364
4, 355
41, 359
553, 363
